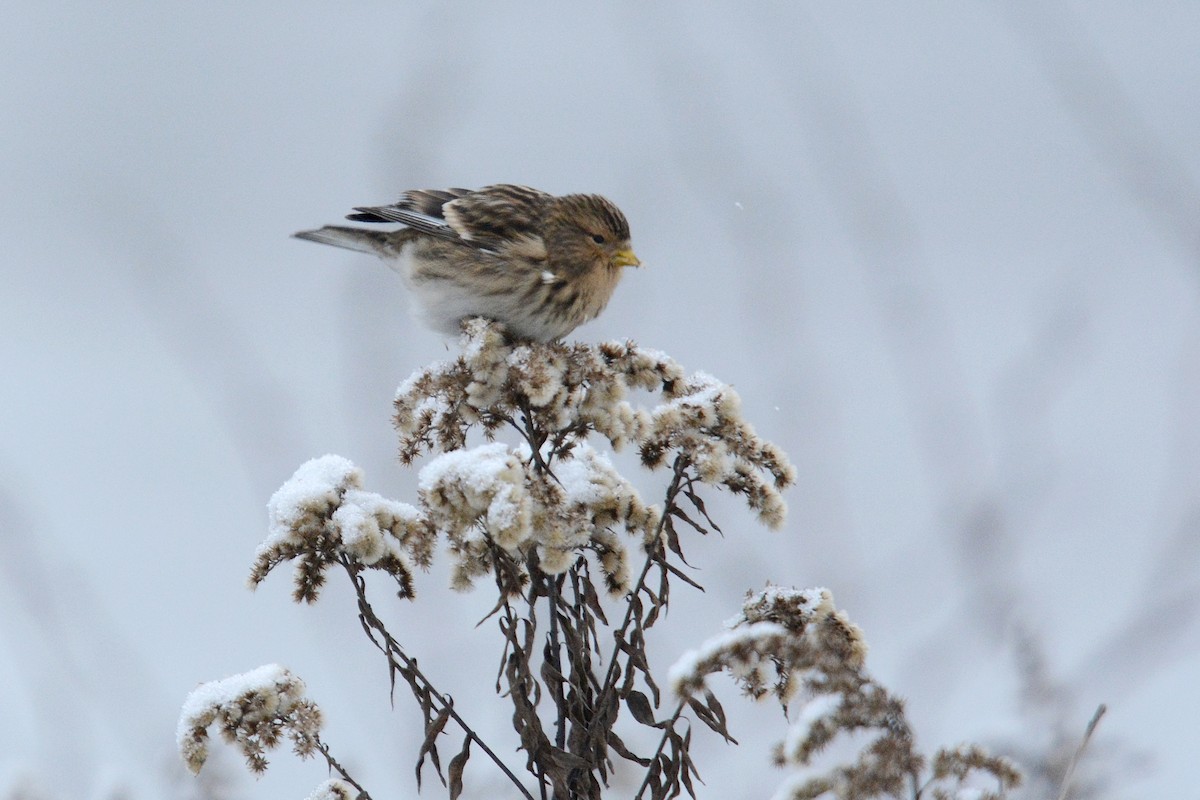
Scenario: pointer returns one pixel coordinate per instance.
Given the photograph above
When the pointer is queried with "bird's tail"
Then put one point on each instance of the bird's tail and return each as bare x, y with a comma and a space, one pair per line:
372, 242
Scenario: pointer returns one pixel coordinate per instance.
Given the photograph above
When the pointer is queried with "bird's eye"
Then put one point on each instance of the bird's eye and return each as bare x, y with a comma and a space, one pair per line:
597, 238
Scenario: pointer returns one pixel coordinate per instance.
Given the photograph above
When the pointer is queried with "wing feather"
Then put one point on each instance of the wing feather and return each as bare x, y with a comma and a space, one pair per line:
487, 218
413, 219
497, 214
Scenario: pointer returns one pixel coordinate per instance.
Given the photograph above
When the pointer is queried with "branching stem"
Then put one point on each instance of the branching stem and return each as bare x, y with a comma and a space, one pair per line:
652, 551
662, 744
553, 651
323, 749
399, 660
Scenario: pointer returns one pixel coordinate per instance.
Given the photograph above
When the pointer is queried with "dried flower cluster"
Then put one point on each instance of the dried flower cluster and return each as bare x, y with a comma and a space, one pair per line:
543, 517
785, 641
255, 711
780, 635
551, 498
322, 515
564, 392
334, 789
953, 768
493, 496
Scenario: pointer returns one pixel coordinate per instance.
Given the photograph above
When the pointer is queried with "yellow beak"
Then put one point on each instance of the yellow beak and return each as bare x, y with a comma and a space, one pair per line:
625, 258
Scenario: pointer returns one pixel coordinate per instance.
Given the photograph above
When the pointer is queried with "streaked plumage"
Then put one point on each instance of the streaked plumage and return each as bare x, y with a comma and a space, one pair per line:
540, 264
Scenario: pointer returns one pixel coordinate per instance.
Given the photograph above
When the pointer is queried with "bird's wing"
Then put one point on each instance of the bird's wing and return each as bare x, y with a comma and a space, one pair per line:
364, 241
413, 219
487, 218
419, 209
497, 215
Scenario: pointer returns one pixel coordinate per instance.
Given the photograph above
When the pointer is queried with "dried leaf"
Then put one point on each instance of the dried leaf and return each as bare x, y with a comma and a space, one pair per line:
592, 599
683, 577
624, 752
715, 720
567, 760
689, 767
672, 535
679, 512
429, 746
698, 502
639, 705
456, 768
552, 676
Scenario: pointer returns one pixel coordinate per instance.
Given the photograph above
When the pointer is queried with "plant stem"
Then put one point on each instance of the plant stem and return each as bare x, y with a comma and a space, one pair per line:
323, 749
553, 652
1087, 737
610, 677
662, 743
394, 653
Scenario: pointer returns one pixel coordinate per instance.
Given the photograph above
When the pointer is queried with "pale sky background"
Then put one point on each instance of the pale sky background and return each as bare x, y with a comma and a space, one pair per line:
948, 253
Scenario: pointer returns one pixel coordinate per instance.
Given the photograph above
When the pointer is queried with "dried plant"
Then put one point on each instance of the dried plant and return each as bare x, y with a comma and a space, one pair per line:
255, 711
795, 646
550, 523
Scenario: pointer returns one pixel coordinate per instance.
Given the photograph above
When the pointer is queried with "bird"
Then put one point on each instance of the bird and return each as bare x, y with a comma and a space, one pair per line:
539, 264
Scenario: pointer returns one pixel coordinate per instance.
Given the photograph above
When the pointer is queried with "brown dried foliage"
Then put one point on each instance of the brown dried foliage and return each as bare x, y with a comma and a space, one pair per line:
789, 643
541, 520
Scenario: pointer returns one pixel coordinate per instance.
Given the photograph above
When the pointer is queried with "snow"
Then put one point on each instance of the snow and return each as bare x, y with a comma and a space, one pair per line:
206, 697
318, 482
951, 293
334, 789
703, 394
683, 671
359, 532
487, 479
408, 384
587, 476
789, 786
478, 467
358, 520
815, 709
806, 601
809, 599
435, 405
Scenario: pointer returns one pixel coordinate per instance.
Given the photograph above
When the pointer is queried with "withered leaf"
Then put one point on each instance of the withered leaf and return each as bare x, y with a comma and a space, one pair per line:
711, 714
624, 752
429, 746
639, 705
456, 768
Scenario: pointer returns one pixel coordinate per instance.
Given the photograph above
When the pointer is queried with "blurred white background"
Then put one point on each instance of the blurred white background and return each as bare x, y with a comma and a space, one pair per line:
948, 253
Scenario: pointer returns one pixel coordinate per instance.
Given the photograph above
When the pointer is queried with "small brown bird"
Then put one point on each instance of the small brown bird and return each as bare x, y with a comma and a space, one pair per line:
542, 265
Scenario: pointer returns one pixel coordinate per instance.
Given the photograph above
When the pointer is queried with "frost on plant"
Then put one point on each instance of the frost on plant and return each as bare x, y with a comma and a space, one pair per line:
255, 711
562, 393
517, 489
334, 790
322, 515
492, 496
551, 497
797, 647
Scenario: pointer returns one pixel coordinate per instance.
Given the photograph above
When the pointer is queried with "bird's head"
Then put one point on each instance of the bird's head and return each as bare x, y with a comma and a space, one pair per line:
585, 232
